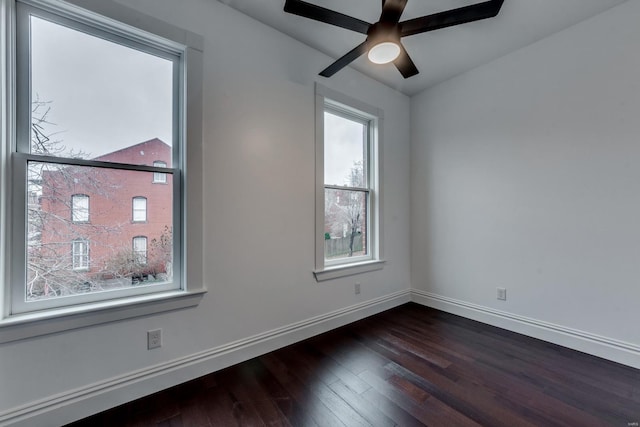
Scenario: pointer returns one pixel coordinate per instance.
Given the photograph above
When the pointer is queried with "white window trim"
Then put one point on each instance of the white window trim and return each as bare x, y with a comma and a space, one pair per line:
96, 27
73, 254
161, 175
374, 261
116, 18
73, 208
137, 250
134, 210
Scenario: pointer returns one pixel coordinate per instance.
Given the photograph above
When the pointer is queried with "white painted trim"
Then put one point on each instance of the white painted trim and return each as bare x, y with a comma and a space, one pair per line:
357, 110
597, 345
75, 404
349, 102
343, 270
7, 133
319, 180
35, 324
120, 20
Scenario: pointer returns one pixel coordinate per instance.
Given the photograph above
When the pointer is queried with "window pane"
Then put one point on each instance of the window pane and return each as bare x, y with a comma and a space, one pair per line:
344, 151
140, 250
58, 262
80, 208
80, 254
345, 223
93, 98
139, 209
159, 176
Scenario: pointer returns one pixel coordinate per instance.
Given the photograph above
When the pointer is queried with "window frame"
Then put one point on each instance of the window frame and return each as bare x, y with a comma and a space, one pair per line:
23, 155
159, 177
136, 251
353, 109
133, 209
73, 208
120, 21
82, 267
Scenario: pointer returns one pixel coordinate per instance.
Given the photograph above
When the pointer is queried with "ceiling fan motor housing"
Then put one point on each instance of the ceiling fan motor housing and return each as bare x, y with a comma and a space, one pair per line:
381, 32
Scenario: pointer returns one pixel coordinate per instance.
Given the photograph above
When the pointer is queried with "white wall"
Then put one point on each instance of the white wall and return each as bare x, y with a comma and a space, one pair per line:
258, 208
525, 175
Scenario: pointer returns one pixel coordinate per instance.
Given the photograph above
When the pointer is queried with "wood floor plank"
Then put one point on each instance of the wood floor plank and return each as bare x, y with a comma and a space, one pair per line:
474, 402
175, 421
348, 352
294, 411
416, 405
341, 373
193, 413
222, 409
362, 406
241, 381
391, 409
318, 411
409, 366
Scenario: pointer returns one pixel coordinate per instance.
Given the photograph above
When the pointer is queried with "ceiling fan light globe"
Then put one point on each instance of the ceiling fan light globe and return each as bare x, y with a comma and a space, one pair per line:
383, 53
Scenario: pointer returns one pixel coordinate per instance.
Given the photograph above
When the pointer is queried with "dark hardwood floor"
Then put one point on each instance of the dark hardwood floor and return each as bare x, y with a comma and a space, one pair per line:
409, 366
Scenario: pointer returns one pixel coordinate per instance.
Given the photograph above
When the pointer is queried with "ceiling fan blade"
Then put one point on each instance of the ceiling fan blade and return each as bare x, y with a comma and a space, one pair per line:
404, 64
345, 60
392, 10
462, 15
318, 13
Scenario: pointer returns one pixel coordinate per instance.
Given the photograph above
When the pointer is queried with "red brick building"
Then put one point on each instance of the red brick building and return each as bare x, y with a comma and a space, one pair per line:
103, 228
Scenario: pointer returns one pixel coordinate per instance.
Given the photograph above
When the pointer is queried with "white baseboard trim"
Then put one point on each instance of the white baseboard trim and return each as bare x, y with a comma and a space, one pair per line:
604, 347
75, 404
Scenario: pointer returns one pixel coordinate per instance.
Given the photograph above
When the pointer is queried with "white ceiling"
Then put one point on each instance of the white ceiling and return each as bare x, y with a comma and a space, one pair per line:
441, 54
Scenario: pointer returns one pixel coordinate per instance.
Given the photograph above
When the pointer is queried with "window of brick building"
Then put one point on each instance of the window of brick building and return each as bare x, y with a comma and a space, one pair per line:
80, 208
160, 177
80, 255
140, 250
139, 209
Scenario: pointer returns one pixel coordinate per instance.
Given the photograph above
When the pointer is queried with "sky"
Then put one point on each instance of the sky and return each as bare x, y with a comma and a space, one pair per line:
102, 96
343, 146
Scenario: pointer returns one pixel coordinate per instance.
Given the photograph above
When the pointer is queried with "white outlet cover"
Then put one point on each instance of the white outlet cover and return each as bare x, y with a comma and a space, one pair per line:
154, 339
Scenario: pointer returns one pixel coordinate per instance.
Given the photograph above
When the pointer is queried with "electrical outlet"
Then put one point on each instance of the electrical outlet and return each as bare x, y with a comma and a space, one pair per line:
154, 339
501, 294
356, 288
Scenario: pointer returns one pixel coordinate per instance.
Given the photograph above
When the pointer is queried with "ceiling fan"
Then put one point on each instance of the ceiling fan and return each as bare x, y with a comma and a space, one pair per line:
383, 37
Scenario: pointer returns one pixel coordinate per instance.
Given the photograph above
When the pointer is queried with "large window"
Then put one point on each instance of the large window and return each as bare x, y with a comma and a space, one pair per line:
93, 102
348, 199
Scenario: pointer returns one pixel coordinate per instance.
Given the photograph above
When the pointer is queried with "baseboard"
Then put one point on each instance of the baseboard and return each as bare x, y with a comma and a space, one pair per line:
82, 402
604, 347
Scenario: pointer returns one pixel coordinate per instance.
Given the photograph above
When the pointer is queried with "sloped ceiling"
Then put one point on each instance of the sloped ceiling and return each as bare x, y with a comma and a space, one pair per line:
439, 55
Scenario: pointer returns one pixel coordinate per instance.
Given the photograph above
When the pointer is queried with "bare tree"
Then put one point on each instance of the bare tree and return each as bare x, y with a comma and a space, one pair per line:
346, 209
355, 203
50, 228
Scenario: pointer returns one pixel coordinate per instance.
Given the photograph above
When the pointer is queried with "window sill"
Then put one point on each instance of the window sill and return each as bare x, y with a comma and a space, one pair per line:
30, 325
335, 272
